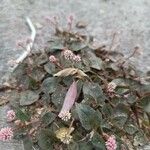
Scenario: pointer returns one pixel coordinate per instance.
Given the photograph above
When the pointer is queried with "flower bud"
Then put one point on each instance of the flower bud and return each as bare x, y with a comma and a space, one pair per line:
52, 59
11, 115
6, 134
111, 143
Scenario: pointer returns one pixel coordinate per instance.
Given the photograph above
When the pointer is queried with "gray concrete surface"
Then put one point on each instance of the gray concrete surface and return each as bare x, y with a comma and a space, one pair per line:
129, 19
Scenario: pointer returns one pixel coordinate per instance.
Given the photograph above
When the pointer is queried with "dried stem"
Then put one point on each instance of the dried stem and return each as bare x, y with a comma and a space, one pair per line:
134, 52
29, 45
112, 42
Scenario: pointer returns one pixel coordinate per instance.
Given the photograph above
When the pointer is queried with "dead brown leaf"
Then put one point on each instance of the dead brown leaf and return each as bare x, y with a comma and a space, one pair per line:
3, 100
66, 72
70, 71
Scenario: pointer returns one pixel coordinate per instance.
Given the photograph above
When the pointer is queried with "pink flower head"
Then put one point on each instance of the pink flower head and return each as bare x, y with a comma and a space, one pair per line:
6, 134
52, 59
11, 115
68, 102
77, 58
68, 54
111, 143
111, 87
65, 115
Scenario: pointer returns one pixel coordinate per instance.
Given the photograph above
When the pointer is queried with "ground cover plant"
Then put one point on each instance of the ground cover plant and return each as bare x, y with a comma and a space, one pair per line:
74, 96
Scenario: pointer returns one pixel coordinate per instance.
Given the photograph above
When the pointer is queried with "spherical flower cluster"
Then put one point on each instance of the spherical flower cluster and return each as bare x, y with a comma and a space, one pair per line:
67, 139
111, 87
77, 58
6, 134
52, 59
64, 134
11, 115
111, 143
68, 54
65, 115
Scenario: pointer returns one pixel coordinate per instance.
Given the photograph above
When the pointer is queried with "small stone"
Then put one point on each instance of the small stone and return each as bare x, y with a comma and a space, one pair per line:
81, 24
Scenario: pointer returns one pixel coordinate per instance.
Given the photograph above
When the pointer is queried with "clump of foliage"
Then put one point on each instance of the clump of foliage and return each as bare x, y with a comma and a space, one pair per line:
111, 98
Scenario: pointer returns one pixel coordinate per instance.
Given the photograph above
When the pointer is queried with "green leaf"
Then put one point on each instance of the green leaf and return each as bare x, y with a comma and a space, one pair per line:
14, 97
49, 68
120, 120
37, 74
77, 45
121, 90
73, 146
86, 64
85, 146
27, 142
80, 146
131, 98
98, 142
45, 98
107, 110
139, 139
25, 80
134, 85
95, 62
28, 97
130, 128
58, 96
23, 116
113, 66
145, 88
46, 139
145, 103
120, 115
105, 124
48, 118
119, 82
40, 60
79, 87
54, 45
88, 117
95, 91
68, 80
33, 84
123, 143
49, 85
